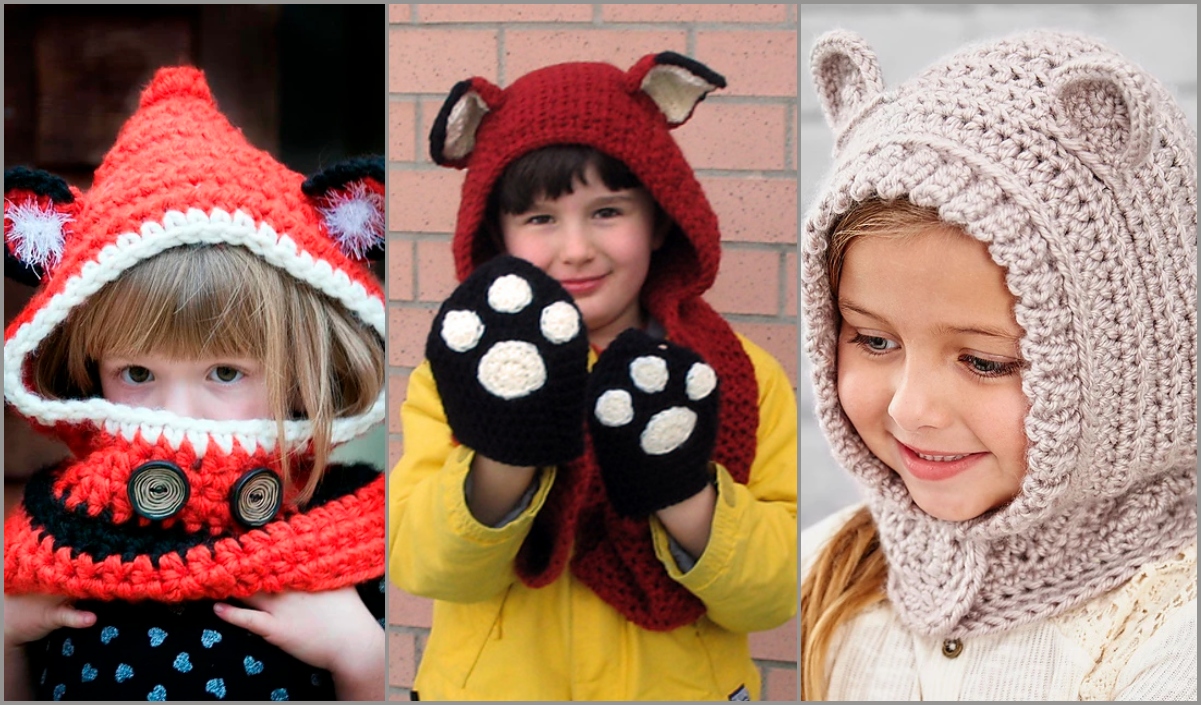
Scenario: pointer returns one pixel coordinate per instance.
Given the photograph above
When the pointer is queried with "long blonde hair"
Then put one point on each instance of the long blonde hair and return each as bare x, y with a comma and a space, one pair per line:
216, 301
849, 573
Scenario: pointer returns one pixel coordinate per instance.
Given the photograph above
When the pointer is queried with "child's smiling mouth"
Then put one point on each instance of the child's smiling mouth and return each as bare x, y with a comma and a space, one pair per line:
582, 285
936, 465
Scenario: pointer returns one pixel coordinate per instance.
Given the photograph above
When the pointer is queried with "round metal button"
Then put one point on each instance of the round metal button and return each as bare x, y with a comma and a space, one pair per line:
256, 497
158, 489
951, 648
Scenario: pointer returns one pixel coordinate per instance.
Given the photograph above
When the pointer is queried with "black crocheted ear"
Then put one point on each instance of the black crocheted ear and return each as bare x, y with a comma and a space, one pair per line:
37, 208
453, 136
677, 84
846, 76
350, 197
1106, 105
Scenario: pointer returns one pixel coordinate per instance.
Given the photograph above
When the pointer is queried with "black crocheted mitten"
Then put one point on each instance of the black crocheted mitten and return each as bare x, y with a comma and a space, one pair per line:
652, 413
509, 353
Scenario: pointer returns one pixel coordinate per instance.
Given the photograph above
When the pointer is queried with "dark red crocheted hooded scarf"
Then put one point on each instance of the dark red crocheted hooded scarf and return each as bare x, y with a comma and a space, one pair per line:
626, 115
155, 505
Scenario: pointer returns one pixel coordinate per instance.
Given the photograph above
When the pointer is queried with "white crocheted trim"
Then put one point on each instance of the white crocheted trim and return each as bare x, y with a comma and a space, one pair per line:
177, 229
1112, 629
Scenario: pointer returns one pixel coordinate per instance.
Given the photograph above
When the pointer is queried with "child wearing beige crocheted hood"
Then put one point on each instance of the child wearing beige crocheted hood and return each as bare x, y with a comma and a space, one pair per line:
999, 288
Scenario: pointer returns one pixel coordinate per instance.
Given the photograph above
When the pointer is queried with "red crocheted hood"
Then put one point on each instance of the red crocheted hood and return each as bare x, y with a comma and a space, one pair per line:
627, 115
156, 505
181, 174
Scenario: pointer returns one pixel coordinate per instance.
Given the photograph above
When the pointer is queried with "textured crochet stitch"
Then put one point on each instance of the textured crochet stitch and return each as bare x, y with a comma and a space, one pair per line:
627, 115
180, 174
1078, 170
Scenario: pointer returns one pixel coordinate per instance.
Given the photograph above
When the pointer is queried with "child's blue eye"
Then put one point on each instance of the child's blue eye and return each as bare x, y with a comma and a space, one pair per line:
225, 373
538, 219
873, 344
136, 374
608, 213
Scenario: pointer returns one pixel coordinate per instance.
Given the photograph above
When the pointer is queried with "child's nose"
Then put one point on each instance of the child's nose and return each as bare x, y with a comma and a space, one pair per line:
577, 243
182, 400
918, 401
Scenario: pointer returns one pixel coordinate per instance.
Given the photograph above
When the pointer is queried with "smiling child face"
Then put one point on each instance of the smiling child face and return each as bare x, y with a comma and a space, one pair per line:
929, 370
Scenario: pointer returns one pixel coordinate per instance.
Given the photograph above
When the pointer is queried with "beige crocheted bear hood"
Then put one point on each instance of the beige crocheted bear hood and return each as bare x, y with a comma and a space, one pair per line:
1078, 171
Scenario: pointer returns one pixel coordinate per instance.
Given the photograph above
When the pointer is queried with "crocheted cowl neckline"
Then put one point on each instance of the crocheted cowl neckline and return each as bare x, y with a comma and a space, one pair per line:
154, 504
1078, 171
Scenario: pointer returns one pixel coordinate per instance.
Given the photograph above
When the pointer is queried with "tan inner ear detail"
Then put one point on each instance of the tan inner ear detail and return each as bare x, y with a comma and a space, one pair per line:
464, 120
675, 90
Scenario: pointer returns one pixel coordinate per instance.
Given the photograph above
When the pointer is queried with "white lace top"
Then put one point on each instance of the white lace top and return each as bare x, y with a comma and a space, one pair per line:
1137, 642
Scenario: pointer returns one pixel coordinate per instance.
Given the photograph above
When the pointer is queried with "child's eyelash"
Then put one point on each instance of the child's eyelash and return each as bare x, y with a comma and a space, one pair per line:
976, 365
864, 342
993, 368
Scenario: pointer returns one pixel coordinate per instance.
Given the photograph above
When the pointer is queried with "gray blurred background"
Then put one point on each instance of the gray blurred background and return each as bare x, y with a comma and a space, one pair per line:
907, 38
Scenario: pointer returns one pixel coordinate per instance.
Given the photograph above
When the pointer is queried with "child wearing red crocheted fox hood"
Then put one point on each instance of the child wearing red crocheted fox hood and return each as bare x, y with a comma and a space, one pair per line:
206, 330
600, 474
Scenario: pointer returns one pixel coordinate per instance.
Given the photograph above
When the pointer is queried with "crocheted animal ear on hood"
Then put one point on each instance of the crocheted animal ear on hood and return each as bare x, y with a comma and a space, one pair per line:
1078, 171
180, 174
627, 115
38, 208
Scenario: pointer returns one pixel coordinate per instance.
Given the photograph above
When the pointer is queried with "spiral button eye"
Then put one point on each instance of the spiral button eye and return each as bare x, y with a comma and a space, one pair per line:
256, 497
158, 489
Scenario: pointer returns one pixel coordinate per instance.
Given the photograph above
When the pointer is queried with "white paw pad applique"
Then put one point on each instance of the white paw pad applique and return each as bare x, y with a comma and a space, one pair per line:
669, 428
510, 369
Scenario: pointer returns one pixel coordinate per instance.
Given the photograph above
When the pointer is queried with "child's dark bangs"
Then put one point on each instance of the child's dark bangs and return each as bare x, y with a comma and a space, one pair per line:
551, 172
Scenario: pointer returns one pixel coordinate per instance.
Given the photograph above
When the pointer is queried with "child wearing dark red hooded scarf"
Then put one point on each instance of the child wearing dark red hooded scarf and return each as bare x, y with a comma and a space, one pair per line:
205, 331
599, 480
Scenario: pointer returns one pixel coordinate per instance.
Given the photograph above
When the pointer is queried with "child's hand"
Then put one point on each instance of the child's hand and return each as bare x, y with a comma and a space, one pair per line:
30, 617
509, 353
332, 630
652, 412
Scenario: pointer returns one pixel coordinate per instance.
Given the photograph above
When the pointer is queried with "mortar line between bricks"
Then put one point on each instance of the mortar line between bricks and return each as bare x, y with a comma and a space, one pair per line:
413, 305
787, 174
598, 14
753, 246
419, 134
553, 25
414, 281
420, 236
782, 283
759, 318
790, 135
501, 65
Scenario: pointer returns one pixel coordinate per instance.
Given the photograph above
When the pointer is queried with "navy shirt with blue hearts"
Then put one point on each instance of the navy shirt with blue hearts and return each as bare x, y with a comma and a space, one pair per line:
157, 651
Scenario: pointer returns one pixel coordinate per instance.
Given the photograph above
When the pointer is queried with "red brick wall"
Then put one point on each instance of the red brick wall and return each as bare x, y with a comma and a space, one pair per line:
742, 142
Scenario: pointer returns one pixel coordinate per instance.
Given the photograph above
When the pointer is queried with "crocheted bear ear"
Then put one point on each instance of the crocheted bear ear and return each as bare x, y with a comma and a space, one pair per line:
453, 137
675, 83
1105, 105
350, 198
846, 76
37, 208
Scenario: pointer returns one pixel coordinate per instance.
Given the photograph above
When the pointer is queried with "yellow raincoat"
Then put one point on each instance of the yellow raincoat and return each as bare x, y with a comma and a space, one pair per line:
495, 638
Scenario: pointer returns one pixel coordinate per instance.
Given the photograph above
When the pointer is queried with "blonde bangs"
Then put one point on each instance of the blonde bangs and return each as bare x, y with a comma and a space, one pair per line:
186, 303
875, 218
